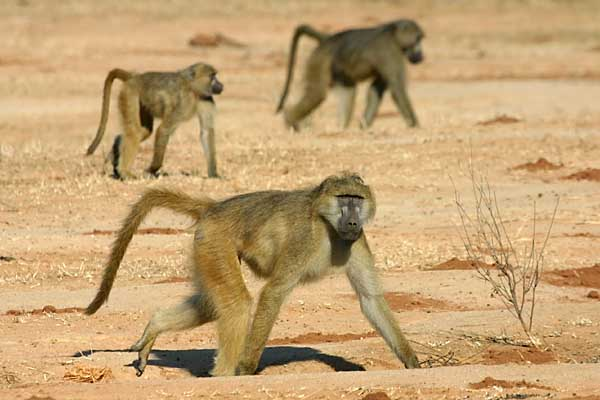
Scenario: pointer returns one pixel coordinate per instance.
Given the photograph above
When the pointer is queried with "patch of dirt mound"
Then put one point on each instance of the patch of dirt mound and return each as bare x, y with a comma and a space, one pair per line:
213, 40
143, 231
587, 277
316, 337
590, 174
46, 310
593, 294
377, 396
540, 165
489, 382
500, 119
458, 264
516, 355
409, 302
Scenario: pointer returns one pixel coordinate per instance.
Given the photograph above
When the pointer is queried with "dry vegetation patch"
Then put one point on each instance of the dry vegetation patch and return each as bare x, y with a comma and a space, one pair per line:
48, 309
85, 374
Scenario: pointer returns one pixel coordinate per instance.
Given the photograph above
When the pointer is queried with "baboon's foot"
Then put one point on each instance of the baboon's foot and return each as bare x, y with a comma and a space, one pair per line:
246, 368
140, 366
155, 173
123, 175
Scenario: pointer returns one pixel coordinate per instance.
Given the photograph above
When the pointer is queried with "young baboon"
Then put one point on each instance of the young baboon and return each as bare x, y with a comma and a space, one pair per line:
345, 58
174, 97
286, 237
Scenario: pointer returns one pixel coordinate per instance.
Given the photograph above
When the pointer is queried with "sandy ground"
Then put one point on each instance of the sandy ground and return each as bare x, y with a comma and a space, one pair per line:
504, 83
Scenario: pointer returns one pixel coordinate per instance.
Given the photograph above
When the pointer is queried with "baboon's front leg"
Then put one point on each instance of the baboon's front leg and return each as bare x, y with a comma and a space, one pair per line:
363, 278
206, 116
395, 76
271, 298
374, 95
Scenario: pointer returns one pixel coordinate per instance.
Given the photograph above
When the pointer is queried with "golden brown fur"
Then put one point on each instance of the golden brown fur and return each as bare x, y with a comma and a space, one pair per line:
286, 237
345, 58
174, 97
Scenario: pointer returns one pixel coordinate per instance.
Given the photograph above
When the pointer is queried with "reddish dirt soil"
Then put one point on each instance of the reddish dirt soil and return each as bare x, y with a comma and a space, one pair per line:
376, 396
589, 174
593, 294
516, 355
489, 382
316, 337
501, 119
499, 88
540, 165
457, 264
588, 277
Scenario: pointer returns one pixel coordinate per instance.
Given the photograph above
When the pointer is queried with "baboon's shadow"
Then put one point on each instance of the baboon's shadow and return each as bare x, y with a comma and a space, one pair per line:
200, 362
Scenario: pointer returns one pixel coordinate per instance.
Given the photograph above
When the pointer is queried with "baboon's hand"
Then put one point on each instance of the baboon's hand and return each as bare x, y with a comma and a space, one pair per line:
412, 362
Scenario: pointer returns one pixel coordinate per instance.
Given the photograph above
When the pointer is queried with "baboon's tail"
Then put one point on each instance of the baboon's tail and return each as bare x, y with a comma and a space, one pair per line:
300, 30
116, 73
152, 198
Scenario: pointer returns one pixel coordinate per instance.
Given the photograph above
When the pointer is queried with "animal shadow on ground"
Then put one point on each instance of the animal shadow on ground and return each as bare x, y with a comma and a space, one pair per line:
200, 362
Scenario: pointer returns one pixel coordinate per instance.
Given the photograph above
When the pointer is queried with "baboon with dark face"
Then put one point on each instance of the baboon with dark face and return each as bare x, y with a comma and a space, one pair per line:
174, 97
285, 237
345, 58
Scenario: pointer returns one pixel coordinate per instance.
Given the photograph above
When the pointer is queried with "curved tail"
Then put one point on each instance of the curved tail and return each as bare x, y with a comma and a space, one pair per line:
116, 73
300, 30
152, 198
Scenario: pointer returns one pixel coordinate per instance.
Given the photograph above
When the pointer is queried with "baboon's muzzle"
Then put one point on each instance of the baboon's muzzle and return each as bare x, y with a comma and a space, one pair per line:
415, 57
216, 87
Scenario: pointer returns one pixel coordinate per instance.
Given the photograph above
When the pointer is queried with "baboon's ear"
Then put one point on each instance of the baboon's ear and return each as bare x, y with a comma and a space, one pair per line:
189, 73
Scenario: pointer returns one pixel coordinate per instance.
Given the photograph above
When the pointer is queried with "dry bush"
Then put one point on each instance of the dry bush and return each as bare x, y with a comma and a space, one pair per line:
85, 374
515, 274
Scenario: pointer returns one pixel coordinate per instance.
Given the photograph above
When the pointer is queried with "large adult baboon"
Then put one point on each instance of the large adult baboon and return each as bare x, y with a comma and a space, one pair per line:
286, 237
345, 58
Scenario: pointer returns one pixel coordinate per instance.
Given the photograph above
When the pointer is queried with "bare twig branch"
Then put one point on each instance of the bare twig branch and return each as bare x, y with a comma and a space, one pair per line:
515, 276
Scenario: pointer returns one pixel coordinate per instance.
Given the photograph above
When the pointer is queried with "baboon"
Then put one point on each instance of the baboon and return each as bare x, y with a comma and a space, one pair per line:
286, 237
174, 97
345, 58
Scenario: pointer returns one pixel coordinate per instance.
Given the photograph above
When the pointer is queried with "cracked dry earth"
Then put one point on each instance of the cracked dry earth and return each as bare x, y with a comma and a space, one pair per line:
510, 86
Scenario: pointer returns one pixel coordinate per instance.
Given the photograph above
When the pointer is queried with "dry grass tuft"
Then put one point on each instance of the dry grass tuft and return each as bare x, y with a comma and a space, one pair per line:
84, 374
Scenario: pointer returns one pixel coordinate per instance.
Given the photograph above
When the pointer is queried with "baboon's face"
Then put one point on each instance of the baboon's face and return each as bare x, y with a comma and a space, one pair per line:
350, 223
204, 80
409, 36
347, 204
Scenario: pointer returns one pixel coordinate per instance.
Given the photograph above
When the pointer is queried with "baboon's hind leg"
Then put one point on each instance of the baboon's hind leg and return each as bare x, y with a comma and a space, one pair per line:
317, 80
195, 311
346, 96
134, 132
163, 133
219, 269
